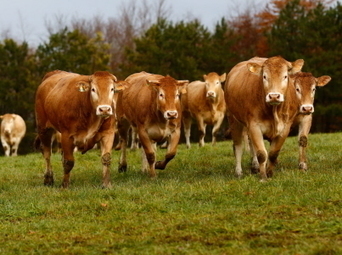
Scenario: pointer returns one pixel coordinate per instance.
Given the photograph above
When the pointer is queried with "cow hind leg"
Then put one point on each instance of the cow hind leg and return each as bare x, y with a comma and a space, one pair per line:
123, 128
68, 160
187, 128
236, 133
44, 141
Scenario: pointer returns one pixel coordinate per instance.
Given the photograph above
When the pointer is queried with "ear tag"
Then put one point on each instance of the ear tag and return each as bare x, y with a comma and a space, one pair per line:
82, 87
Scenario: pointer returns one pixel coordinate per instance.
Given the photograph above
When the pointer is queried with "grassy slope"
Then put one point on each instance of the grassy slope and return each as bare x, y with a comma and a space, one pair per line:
195, 206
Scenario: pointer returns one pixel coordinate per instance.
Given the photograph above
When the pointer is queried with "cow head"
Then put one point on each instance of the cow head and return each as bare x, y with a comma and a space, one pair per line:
305, 85
213, 84
168, 95
274, 73
102, 86
7, 123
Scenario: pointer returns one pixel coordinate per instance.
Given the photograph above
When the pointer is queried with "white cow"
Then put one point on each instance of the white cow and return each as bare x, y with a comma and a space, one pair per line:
13, 130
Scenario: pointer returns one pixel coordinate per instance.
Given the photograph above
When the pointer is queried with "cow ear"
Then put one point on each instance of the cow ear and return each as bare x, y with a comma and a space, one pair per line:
296, 66
254, 68
114, 78
121, 85
223, 77
182, 86
83, 86
153, 82
204, 76
323, 80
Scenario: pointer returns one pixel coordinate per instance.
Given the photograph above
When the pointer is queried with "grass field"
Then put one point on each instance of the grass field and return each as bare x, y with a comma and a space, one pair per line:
195, 206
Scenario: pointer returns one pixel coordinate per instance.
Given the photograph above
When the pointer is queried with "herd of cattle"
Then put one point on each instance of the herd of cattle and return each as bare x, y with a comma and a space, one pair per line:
263, 98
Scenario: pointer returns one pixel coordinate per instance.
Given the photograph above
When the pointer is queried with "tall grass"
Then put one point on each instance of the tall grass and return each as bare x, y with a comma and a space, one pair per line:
195, 206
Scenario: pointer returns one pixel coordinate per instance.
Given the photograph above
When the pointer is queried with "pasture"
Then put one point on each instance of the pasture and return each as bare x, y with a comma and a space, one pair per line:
195, 206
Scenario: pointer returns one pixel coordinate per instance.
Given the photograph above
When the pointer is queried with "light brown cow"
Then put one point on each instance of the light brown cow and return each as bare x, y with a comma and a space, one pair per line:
259, 98
204, 101
151, 105
81, 108
305, 84
13, 129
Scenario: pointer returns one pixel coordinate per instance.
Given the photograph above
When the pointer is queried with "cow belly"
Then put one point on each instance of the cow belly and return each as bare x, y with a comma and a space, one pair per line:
211, 118
271, 131
157, 134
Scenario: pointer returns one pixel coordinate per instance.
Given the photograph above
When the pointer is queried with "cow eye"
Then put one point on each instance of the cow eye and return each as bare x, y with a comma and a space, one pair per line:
92, 89
285, 77
161, 95
264, 77
112, 90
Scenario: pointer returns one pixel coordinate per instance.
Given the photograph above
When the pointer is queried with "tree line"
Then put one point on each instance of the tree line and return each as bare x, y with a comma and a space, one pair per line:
145, 39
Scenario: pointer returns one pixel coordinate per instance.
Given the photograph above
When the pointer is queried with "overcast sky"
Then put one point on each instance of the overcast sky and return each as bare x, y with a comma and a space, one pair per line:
27, 19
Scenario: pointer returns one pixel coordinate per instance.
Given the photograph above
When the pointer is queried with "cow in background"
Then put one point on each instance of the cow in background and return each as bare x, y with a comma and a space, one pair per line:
81, 108
151, 105
204, 101
13, 129
259, 98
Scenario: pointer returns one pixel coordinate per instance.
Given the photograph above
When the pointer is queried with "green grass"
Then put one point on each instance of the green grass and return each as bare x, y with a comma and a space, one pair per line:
195, 206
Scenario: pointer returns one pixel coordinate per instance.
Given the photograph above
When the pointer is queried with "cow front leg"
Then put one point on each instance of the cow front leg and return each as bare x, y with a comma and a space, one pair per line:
276, 145
260, 151
7, 147
171, 150
106, 158
14, 150
201, 131
304, 129
216, 128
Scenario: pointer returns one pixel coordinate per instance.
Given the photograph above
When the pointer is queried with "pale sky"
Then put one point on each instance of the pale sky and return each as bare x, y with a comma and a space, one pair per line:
27, 19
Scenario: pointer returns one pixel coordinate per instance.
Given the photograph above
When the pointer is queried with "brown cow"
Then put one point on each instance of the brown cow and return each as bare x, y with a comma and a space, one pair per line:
259, 98
204, 101
305, 84
151, 105
81, 108
13, 129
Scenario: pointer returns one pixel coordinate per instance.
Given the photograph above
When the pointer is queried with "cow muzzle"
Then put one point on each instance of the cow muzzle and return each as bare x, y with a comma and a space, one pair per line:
274, 98
104, 110
211, 94
307, 109
171, 115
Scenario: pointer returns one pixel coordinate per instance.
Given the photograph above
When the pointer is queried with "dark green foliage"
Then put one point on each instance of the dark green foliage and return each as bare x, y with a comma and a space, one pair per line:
73, 51
182, 50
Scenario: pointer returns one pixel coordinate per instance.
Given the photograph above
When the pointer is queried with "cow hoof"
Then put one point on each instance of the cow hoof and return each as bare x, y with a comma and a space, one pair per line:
303, 166
48, 180
122, 168
238, 175
160, 165
255, 170
106, 186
